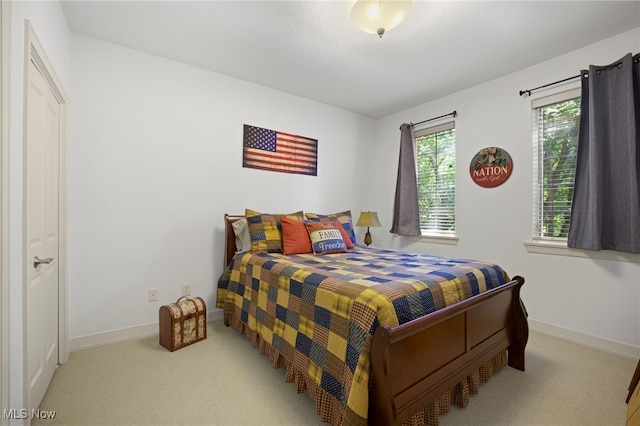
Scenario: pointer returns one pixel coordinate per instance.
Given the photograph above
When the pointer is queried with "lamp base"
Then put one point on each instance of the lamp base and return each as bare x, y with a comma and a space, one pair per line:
367, 238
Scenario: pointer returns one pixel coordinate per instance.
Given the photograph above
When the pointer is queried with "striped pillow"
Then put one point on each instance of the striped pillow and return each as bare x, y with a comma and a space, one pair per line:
325, 238
343, 217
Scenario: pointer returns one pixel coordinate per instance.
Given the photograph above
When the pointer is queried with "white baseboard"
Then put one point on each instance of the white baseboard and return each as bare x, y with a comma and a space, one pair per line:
113, 336
605, 345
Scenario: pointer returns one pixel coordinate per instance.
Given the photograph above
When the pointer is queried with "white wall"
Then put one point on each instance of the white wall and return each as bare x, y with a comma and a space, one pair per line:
582, 298
50, 26
155, 160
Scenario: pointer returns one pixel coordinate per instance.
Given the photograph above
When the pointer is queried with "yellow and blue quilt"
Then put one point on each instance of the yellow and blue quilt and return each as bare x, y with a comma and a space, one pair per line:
320, 312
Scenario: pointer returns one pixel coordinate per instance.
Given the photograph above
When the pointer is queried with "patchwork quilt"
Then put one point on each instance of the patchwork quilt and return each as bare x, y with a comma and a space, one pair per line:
320, 312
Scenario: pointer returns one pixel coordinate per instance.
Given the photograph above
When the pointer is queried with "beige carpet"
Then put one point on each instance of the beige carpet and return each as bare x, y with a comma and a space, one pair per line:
225, 381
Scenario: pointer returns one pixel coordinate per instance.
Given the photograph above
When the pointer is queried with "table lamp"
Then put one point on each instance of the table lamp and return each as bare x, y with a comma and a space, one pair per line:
368, 219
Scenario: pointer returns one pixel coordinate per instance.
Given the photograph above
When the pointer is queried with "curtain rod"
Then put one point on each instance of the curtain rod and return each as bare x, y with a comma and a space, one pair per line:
528, 91
636, 59
454, 113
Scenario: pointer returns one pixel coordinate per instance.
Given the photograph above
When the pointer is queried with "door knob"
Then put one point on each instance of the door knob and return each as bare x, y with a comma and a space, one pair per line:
37, 261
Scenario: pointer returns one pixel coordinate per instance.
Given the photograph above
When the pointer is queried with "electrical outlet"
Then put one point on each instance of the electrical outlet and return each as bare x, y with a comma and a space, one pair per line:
153, 295
186, 289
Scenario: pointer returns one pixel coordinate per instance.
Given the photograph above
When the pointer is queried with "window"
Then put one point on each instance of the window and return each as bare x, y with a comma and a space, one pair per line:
436, 158
556, 121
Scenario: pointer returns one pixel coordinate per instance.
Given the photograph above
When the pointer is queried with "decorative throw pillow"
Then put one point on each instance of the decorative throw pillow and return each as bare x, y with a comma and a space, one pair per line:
241, 231
345, 236
295, 238
325, 238
343, 217
265, 230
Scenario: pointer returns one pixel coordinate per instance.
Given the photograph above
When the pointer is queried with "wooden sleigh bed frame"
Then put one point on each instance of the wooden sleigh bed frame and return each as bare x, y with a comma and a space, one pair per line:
415, 363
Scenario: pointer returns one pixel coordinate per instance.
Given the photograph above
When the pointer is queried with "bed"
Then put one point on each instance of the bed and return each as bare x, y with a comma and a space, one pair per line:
375, 336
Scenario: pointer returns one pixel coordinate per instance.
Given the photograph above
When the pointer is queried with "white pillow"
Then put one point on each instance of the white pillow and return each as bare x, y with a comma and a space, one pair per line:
243, 239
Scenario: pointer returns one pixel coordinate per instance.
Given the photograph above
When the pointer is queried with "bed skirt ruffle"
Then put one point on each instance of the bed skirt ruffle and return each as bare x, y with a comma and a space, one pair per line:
329, 409
460, 393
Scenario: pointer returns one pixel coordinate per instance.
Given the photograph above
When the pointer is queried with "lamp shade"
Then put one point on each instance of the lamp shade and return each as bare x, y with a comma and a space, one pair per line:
368, 219
379, 16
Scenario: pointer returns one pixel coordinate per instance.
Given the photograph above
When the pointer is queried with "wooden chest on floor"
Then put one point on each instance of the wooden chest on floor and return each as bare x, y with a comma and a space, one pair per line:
183, 323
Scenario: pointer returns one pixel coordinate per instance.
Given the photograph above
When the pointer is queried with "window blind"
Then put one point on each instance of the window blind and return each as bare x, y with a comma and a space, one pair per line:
555, 126
435, 148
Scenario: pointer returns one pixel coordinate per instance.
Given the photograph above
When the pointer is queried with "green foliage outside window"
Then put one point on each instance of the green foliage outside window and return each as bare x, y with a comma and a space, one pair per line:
558, 135
436, 181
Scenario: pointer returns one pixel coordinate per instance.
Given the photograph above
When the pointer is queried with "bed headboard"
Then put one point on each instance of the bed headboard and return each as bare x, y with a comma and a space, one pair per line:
229, 237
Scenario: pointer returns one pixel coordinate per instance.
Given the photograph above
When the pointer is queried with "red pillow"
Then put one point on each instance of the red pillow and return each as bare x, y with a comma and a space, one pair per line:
295, 238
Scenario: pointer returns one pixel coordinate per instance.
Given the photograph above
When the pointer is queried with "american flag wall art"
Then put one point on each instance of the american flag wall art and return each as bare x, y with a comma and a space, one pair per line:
279, 152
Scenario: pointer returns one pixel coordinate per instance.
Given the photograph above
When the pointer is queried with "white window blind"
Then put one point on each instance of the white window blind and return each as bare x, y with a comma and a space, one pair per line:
556, 121
436, 159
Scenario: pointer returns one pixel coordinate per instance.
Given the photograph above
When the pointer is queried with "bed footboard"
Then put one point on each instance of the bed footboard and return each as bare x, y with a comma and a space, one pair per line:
415, 363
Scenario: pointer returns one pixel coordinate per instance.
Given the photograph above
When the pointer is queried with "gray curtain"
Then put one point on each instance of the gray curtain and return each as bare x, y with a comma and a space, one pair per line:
606, 201
406, 220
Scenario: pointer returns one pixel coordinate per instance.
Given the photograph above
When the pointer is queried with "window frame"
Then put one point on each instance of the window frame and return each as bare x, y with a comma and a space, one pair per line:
558, 246
538, 213
434, 235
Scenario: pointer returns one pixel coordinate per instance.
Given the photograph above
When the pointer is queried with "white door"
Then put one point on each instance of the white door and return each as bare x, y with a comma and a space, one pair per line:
5, 32
42, 228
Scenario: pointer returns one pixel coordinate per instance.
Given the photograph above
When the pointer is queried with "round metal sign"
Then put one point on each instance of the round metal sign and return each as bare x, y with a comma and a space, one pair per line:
491, 167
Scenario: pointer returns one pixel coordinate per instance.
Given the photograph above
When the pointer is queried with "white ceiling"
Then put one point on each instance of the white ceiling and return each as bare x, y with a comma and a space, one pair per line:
309, 48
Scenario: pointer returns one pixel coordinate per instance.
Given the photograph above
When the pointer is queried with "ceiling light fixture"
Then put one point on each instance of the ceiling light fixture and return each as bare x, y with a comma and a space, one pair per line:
379, 16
